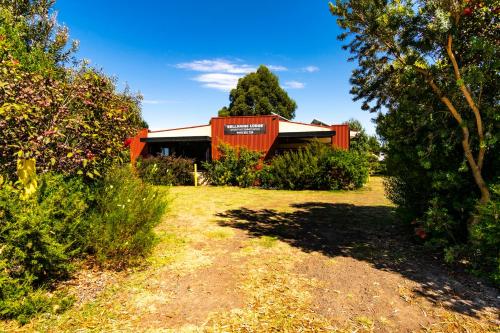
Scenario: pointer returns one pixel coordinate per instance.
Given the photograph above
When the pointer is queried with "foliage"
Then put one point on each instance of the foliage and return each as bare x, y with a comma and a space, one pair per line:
485, 236
39, 236
41, 233
432, 66
35, 38
259, 93
367, 145
317, 167
236, 166
20, 301
125, 214
72, 121
62, 122
166, 170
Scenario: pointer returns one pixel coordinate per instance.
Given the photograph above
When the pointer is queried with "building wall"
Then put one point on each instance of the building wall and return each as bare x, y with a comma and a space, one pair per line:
341, 139
137, 148
258, 142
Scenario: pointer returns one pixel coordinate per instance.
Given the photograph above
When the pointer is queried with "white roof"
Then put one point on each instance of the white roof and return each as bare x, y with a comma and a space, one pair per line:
291, 127
205, 130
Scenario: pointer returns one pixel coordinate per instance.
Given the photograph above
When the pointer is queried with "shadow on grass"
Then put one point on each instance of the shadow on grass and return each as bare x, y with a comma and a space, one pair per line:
366, 233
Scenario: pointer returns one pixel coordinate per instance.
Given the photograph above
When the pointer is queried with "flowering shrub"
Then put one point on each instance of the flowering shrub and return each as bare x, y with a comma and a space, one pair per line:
125, 214
166, 170
75, 126
72, 121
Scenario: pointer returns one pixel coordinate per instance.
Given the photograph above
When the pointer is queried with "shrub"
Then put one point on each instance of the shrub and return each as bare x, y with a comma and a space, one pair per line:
166, 170
126, 212
317, 167
40, 234
345, 170
38, 237
292, 171
73, 120
485, 237
237, 167
63, 219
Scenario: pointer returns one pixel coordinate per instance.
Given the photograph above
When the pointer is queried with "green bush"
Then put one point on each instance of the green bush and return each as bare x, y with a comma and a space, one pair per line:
127, 210
237, 167
38, 238
64, 219
485, 237
345, 170
40, 234
166, 170
316, 167
22, 301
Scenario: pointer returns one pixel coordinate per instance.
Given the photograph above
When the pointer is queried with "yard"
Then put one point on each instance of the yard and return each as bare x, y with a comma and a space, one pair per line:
251, 260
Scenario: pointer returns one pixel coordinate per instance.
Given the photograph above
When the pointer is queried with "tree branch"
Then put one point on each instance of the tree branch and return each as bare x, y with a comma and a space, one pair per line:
470, 101
476, 170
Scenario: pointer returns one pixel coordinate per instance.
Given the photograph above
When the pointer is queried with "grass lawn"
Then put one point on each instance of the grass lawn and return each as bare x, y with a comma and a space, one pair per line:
251, 260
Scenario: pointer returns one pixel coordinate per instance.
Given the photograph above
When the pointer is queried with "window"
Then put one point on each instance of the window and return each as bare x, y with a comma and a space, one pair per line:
165, 151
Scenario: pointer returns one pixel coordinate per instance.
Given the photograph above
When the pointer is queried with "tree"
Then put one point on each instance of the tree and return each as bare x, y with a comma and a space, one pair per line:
37, 40
448, 46
259, 93
71, 120
430, 68
363, 142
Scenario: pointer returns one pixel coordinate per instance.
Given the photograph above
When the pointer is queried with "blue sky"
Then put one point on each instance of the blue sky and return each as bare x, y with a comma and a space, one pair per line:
184, 56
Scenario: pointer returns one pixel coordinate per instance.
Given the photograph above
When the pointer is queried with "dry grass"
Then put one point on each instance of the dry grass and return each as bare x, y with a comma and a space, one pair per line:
216, 272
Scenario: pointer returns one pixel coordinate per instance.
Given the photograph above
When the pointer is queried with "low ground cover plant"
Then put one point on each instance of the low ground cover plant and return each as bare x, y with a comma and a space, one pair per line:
166, 170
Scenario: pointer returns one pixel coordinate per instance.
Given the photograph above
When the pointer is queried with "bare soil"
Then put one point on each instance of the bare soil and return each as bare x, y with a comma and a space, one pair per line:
247, 260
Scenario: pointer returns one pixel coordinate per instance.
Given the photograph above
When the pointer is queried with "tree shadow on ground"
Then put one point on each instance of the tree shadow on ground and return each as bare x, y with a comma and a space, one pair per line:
368, 233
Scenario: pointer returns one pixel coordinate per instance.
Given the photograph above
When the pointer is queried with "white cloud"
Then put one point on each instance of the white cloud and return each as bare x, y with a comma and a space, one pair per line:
277, 68
219, 81
216, 65
310, 69
222, 74
294, 85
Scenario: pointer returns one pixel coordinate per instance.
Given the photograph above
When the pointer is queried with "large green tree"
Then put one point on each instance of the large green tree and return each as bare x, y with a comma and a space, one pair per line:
447, 47
259, 93
431, 71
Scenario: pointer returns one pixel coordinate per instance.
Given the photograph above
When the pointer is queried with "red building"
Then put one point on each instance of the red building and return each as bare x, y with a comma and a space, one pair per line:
269, 134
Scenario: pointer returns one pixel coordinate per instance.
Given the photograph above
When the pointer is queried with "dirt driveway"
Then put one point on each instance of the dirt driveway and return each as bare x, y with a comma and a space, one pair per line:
247, 260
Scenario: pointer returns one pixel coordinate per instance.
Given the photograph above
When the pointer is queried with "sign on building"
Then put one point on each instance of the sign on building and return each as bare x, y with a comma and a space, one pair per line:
243, 129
